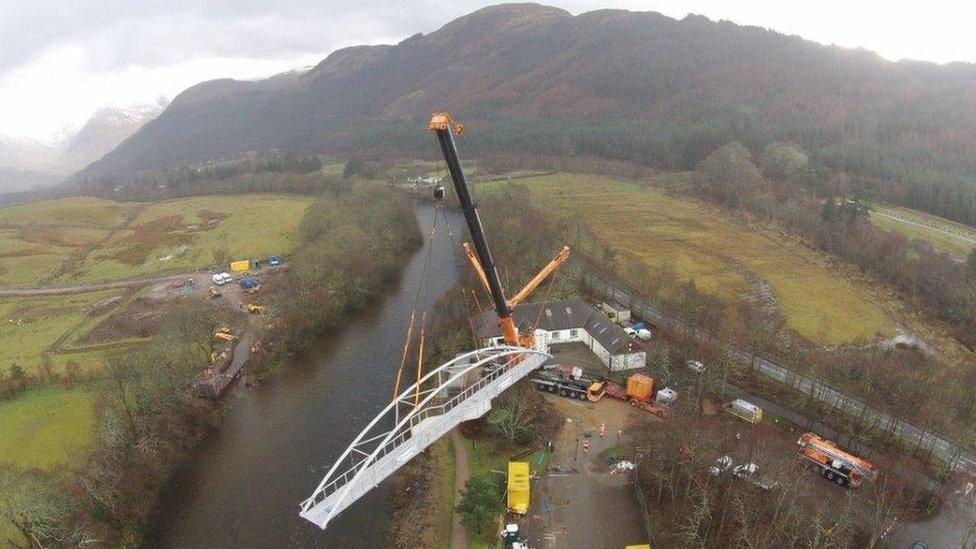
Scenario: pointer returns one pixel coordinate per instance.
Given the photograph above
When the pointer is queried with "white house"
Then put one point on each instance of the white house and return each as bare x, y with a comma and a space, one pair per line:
566, 322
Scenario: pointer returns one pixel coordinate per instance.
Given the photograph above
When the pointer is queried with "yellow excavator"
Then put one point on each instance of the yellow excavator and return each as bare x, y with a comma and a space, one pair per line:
479, 255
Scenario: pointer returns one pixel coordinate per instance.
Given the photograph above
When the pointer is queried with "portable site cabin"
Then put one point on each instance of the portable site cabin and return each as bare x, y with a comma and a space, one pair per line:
518, 487
243, 266
744, 410
615, 313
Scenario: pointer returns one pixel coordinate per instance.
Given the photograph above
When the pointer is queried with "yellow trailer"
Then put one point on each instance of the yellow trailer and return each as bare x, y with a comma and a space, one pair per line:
518, 487
243, 266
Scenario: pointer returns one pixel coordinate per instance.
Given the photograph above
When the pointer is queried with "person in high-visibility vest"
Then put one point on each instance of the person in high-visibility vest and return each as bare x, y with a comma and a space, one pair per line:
603, 429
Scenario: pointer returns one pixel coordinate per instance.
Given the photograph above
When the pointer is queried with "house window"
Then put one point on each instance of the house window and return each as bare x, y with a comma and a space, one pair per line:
573, 333
556, 335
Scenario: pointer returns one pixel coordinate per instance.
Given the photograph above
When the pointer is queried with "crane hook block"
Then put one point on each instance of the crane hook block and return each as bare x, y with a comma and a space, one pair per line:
442, 121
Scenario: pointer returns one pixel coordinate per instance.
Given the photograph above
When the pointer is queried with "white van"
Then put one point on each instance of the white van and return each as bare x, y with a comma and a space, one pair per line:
221, 278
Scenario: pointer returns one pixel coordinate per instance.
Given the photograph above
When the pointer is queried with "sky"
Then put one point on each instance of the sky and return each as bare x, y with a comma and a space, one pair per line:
61, 60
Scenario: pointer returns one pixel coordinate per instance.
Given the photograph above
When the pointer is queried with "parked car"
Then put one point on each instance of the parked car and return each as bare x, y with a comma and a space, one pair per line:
666, 395
695, 366
177, 284
221, 278
722, 465
275, 260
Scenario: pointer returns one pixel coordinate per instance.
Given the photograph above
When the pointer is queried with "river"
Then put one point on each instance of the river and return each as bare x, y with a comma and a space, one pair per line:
244, 485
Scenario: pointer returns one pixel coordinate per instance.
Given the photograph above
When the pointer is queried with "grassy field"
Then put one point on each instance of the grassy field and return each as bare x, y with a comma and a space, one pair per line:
952, 238
36, 239
29, 326
85, 240
44, 428
724, 256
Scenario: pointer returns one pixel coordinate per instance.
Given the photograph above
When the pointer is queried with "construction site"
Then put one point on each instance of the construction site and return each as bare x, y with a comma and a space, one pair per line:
627, 403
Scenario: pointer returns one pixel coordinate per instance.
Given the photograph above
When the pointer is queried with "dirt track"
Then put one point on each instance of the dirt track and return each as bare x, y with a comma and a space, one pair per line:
84, 288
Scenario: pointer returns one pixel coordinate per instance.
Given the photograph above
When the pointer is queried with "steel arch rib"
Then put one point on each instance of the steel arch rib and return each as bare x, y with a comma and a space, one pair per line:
401, 426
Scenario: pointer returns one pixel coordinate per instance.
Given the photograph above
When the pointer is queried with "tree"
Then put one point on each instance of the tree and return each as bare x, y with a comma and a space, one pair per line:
727, 173
783, 161
17, 372
481, 503
38, 511
513, 416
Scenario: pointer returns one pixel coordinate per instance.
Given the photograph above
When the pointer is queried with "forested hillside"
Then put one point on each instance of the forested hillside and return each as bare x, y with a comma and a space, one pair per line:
622, 85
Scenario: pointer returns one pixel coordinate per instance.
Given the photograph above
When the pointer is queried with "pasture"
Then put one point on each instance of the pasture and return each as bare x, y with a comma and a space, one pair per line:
724, 255
83, 240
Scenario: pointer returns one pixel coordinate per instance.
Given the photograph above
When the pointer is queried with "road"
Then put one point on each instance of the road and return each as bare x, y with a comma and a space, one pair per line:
902, 430
84, 288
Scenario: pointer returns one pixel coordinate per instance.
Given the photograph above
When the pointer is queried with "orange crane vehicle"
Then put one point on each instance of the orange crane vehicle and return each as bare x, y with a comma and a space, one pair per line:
480, 256
833, 463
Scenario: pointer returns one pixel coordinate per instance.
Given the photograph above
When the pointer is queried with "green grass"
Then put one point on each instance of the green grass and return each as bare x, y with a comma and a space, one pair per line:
188, 234
443, 451
30, 326
952, 238
46, 428
37, 239
723, 255
81, 211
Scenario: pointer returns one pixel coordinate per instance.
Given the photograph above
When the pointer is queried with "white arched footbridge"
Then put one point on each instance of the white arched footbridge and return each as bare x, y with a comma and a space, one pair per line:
459, 390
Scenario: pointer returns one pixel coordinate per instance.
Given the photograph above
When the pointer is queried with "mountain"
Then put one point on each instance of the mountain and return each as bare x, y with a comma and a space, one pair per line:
643, 87
102, 132
26, 163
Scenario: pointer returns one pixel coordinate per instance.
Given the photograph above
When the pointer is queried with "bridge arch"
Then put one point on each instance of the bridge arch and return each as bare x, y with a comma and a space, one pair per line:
458, 390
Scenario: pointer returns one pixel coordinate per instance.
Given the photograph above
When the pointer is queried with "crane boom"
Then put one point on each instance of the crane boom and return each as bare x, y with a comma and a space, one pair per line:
442, 125
444, 128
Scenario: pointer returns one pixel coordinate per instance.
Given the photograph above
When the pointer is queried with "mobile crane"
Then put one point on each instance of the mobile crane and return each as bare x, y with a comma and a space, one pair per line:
480, 257
833, 463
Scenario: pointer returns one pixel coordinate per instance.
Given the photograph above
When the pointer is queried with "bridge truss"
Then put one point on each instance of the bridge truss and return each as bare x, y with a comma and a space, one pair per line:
458, 390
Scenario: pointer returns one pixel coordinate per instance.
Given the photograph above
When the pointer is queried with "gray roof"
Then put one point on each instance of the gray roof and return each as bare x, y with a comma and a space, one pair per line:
559, 315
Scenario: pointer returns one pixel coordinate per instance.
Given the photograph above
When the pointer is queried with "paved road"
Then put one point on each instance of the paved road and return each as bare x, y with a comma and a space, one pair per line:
904, 431
84, 288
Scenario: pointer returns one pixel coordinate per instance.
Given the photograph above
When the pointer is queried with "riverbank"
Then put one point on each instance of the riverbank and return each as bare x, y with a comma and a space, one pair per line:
243, 487
148, 426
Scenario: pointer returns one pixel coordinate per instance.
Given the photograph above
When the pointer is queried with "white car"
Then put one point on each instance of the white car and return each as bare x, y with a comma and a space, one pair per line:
643, 334
696, 366
745, 470
221, 278
666, 395
722, 465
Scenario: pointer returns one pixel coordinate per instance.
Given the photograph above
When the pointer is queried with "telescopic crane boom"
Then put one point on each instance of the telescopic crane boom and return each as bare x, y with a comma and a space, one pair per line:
444, 128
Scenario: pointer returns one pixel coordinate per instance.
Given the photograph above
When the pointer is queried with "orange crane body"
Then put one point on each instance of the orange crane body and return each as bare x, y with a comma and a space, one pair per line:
835, 463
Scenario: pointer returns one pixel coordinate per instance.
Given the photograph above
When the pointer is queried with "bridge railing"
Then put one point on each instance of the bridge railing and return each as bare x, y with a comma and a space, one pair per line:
412, 407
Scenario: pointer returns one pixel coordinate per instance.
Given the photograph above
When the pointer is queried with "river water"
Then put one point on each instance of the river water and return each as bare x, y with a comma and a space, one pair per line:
244, 485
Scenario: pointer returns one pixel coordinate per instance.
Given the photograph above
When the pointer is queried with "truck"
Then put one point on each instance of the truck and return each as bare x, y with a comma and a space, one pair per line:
639, 393
833, 463
744, 410
242, 266
562, 381
518, 487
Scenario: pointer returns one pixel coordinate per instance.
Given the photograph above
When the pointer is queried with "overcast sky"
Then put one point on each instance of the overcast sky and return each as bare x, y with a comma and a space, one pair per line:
60, 60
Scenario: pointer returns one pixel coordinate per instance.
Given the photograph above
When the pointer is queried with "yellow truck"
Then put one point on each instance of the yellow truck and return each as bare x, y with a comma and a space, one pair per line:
243, 266
518, 487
